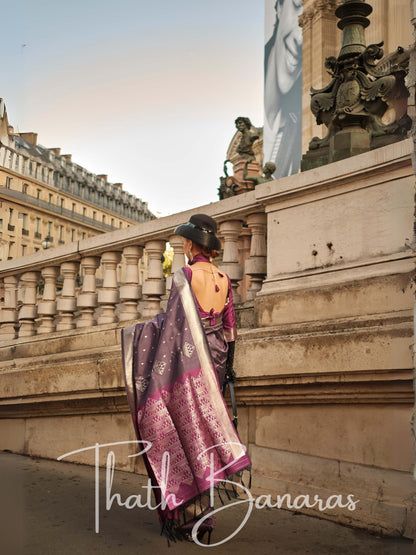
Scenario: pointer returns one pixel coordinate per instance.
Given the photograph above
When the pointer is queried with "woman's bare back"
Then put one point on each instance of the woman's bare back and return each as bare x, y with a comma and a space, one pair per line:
205, 278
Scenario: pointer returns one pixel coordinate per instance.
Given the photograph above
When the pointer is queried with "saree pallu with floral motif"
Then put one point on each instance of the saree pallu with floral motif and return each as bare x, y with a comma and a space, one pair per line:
176, 403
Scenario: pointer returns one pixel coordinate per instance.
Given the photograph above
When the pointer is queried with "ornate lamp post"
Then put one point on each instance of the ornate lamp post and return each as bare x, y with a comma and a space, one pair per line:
47, 243
353, 104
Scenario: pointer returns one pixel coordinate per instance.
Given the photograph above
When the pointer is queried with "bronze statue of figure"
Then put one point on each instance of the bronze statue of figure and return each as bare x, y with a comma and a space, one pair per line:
249, 134
226, 190
268, 171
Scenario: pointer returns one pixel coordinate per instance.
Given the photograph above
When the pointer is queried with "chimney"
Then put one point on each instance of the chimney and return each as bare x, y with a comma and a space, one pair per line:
103, 176
67, 157
118, 185
31, 138
57, 151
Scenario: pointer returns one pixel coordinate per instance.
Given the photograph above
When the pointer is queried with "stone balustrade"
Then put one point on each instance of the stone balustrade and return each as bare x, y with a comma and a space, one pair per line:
96, 281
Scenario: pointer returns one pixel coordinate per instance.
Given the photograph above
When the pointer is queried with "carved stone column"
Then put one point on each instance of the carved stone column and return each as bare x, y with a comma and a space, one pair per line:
47, 307
108, 295
87, 299
131, 291
28, 310
66, 304
8, 317
230, 231
243, 254
256, 265
178, 258
154, 286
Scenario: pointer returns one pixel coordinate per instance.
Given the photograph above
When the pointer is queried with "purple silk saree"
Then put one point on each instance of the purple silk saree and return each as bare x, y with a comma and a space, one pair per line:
176, 403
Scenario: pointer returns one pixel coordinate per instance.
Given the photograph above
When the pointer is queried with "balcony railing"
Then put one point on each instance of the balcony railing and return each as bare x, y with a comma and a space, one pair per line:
17, 195
32, 304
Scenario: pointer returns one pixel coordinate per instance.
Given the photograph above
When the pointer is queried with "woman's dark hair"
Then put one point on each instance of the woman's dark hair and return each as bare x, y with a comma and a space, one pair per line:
210, 253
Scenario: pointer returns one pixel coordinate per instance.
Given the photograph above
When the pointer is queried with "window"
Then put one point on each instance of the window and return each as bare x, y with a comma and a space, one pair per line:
120, 224
16, 163
50, 198
73, 207
38, 193
11, 250
83, 234
24, 249
94, 215
8, 182
61, 233
25, 188
24, 219
112, 222
103, 219
30, 168
72, 234
10, 227
49, 228
62, 204
84, 211
37, 228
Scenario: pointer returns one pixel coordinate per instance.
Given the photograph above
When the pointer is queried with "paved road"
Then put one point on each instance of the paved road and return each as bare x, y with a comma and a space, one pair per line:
48, 507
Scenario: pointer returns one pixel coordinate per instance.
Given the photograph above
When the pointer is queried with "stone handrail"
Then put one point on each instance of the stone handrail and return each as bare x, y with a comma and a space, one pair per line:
41, 294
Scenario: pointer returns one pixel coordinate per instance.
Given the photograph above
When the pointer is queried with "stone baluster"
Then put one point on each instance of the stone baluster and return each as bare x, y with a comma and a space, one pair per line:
178, 258
47, 306
243, 254
28, 310
8, 318
66, 304
108, 295
154, 286
256, 265
87, 298
131, 291
230, 231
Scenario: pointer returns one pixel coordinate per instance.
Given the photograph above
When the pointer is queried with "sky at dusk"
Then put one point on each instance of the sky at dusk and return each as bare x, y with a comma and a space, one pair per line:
145, 92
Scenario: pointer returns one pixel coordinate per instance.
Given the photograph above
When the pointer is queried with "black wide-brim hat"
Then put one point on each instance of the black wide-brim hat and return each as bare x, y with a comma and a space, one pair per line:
201, 229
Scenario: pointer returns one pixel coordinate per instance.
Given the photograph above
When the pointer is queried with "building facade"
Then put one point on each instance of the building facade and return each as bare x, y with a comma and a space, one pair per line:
47, 200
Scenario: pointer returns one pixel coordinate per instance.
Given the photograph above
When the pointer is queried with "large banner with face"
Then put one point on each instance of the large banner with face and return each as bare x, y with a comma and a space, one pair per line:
282, 136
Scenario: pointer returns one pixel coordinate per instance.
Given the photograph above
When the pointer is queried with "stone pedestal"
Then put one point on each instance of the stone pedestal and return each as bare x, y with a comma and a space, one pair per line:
349, 142
253, 169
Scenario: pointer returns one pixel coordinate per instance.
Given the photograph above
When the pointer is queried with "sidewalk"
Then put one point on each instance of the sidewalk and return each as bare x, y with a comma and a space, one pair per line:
48, 507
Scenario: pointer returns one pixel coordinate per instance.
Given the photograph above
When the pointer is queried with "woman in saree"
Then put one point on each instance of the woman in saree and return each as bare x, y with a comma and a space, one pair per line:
174, 367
